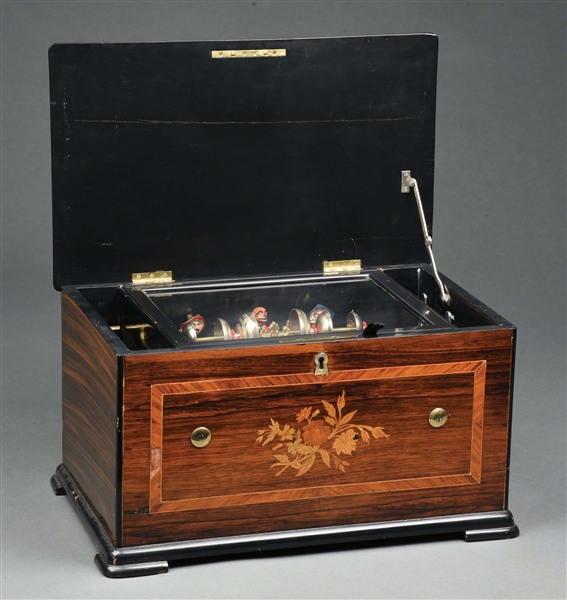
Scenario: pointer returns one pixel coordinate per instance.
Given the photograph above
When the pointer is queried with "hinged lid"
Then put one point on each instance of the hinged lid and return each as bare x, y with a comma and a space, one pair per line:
166, 155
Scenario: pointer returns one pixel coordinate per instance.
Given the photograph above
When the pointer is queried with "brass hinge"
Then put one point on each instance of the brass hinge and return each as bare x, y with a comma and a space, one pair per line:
342, 267
249, 53
152, 278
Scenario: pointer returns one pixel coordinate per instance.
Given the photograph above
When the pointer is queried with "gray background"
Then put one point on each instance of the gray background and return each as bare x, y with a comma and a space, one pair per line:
499, 232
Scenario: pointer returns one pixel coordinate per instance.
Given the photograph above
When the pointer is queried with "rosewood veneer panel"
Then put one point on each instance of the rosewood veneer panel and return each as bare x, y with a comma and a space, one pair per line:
90, 434
490, 348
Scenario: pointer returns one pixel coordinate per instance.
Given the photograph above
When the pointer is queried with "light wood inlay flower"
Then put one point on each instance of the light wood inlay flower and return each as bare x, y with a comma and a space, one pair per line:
305, 442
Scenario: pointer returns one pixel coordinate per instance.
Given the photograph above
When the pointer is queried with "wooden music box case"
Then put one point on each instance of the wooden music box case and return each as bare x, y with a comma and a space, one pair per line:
258, 350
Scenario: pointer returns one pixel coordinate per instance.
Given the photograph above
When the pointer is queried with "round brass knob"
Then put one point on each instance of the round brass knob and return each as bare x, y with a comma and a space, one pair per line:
438, 417
200, 437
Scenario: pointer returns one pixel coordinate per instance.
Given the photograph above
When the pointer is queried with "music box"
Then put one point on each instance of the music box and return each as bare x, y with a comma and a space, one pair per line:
258, 349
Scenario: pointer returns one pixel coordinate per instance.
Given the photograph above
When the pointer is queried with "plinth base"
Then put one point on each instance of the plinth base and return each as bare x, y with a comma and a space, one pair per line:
152, 559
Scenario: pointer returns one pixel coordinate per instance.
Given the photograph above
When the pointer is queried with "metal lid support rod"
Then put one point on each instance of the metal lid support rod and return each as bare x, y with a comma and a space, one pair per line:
409, 182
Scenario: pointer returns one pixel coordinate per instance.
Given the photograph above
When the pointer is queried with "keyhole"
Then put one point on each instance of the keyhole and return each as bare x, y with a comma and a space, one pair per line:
321, 360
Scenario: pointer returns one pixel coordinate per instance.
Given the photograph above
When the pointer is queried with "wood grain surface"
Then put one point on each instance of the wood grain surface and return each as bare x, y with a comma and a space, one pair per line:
90, 437
399, 399
416, 472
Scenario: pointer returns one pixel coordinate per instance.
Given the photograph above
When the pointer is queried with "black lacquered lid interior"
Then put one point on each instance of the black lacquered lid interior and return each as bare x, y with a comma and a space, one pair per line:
166, 158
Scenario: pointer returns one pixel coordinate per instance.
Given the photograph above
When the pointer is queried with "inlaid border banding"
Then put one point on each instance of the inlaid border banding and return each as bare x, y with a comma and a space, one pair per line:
157, 505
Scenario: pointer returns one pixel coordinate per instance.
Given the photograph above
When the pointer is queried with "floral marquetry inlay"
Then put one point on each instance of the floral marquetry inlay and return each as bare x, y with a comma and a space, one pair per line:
331, 436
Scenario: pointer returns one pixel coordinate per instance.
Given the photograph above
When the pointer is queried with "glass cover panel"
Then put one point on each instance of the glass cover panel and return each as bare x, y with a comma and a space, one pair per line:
329, 306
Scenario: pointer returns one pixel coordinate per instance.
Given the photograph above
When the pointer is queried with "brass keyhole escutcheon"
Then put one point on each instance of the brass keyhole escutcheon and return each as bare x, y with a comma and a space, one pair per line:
438, 417
321, 362
201, 437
